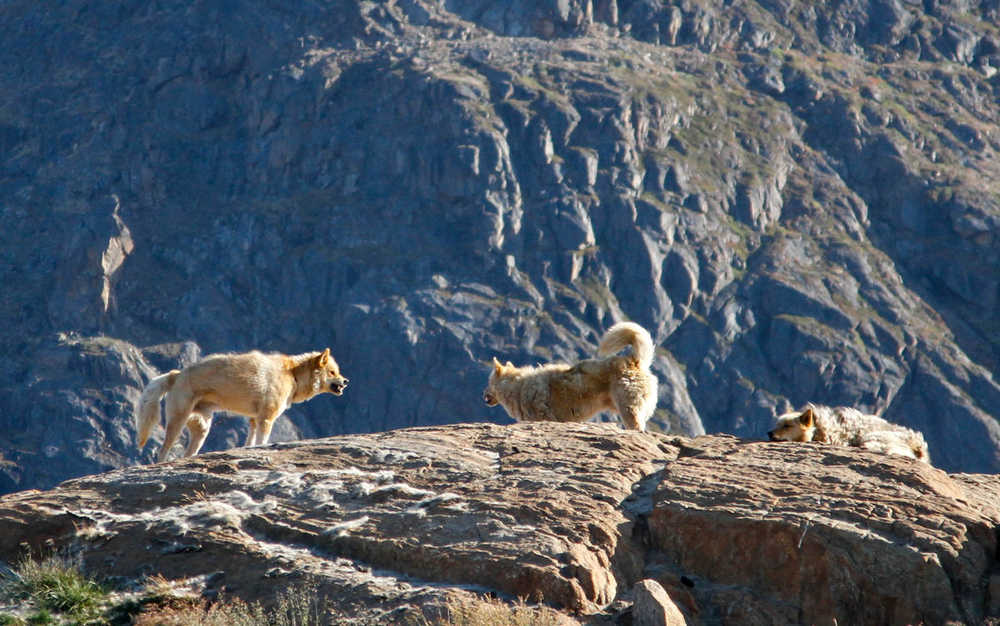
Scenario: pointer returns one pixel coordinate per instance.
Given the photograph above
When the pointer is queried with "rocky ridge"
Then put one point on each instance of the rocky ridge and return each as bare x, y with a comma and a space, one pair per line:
589, 519
795, 200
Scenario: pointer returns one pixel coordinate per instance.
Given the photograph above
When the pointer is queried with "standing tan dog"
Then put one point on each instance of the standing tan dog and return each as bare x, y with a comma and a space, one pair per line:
563, 393
257, 385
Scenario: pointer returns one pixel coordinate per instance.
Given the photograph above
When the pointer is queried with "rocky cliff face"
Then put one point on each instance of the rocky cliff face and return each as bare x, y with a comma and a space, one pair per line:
589, 519
797, 201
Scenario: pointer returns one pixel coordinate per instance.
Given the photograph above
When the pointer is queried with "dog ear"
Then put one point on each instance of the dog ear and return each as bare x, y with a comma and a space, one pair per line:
509, 365
324, 358
806, 418
497, 368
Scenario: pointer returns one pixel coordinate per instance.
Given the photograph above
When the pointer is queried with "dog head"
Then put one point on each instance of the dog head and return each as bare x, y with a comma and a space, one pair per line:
327, 376
794, 427
490, 395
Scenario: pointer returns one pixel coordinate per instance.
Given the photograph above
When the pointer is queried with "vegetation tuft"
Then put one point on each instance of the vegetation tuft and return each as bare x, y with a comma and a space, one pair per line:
299, 606
54, 590
495, 612
54, 586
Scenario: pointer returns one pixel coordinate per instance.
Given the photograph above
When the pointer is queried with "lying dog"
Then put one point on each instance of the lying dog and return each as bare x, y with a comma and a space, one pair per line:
844, 426
257, 385
563, 393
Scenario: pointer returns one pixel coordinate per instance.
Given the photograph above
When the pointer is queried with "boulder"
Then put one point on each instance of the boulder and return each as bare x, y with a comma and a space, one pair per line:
653, 607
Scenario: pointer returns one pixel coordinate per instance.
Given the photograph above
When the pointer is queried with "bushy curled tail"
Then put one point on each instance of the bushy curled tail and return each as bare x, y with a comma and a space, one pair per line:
149, 404
628, 334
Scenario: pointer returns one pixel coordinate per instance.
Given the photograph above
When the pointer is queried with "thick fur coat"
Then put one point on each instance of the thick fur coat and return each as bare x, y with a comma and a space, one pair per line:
257, 385
573, 393
845, 426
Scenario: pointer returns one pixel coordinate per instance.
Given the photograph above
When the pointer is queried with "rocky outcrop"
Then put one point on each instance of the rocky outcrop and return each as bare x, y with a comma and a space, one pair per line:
795, 201
586, 518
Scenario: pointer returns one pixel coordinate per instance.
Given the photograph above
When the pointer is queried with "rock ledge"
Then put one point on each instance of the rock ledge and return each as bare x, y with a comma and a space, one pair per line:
573, 516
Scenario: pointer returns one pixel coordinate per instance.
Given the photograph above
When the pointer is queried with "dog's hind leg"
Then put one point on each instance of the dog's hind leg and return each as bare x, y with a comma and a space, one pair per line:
635, 398
179, 406
630, 406
631, 419
197, 426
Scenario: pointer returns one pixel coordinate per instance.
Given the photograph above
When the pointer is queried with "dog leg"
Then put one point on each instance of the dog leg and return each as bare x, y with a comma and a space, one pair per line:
266, 422
264, 432
251, 432
634, 399
629, 408
179, 407
631, 421
197, 426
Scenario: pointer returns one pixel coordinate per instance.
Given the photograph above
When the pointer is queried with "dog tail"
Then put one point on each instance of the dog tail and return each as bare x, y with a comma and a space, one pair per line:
149, 404
625, 334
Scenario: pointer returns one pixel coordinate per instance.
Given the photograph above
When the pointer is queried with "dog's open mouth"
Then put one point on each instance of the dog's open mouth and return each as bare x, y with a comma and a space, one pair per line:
338, 388
489, 399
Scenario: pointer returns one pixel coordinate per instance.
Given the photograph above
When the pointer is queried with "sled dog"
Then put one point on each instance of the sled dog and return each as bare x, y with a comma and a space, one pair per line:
845, 426
574, 393
257, 385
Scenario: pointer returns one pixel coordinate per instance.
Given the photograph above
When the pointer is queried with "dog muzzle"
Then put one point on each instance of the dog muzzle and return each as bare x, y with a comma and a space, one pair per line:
489, 399
338, 387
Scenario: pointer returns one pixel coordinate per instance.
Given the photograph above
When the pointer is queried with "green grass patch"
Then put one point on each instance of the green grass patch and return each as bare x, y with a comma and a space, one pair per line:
54, 590
54, 585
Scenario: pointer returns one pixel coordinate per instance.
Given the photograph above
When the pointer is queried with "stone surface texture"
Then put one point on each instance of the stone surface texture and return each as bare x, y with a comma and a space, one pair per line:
586, 518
